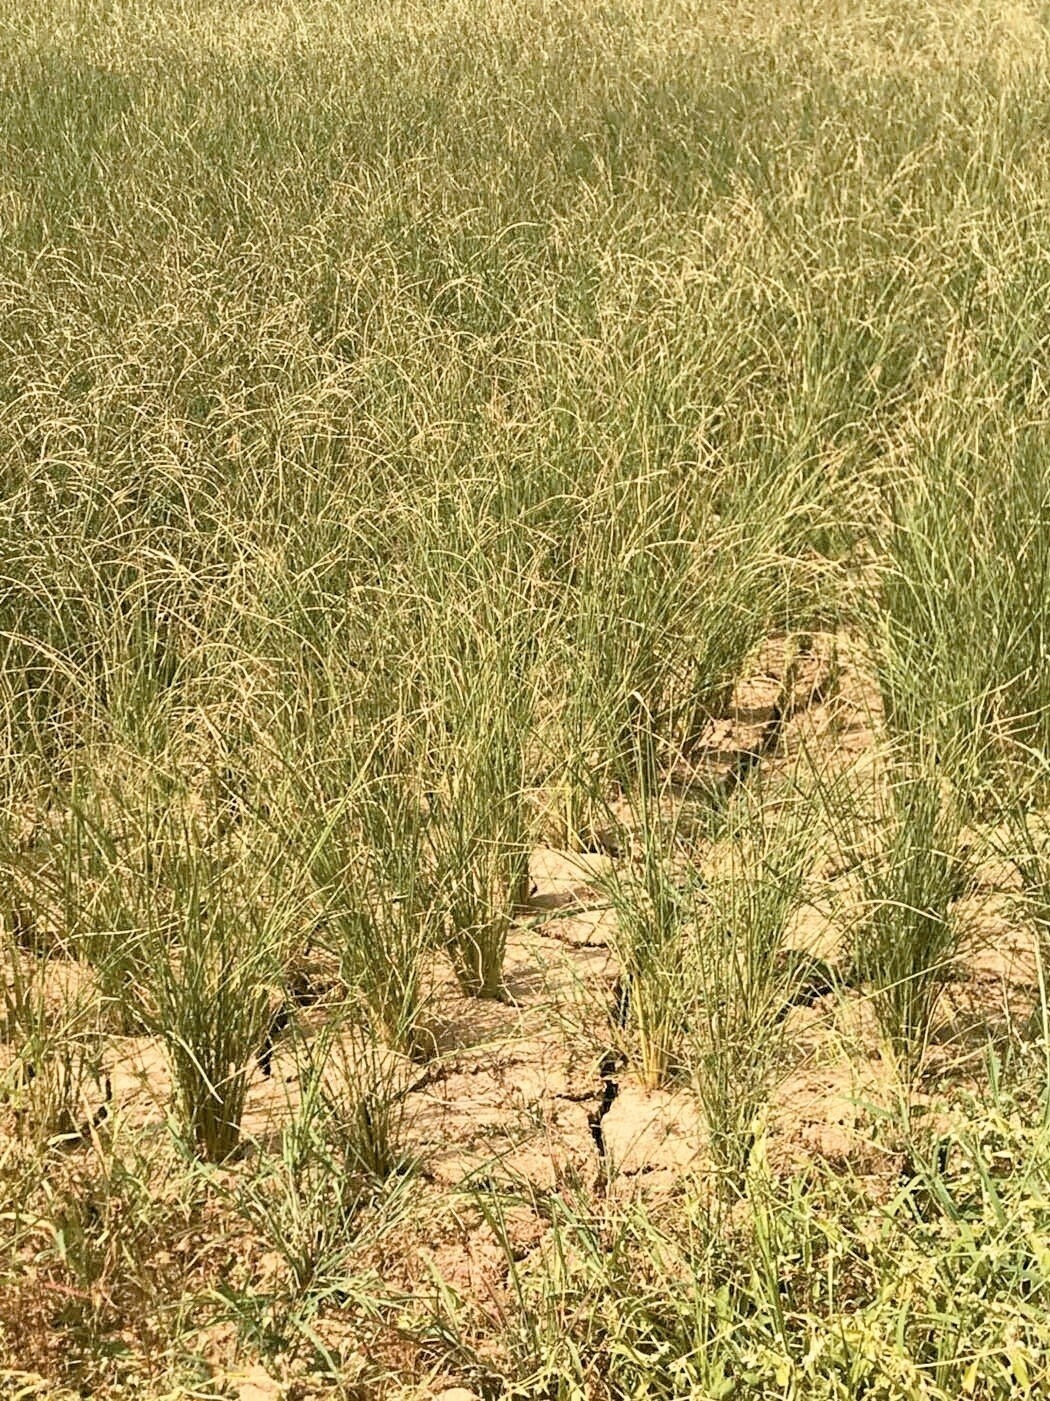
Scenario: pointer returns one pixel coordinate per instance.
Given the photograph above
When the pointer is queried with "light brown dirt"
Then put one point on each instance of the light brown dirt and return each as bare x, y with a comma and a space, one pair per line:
512, 1099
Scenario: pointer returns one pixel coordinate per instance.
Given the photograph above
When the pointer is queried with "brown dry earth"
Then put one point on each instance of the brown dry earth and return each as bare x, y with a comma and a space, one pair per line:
531, 1095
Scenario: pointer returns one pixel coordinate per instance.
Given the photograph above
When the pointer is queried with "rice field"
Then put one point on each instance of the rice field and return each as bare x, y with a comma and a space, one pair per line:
524, 700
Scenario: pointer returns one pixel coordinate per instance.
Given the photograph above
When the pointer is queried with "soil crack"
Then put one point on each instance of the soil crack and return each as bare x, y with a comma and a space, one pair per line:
610, 1090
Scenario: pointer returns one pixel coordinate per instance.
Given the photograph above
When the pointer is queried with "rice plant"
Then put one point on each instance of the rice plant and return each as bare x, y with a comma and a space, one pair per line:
671, 590
478, 656
55, 1082
705, 974
1023, 840
344, 1141
686, 1297
908, 934
744, 975
73, 893
960, 630
415, 419
367, 853
219, 927
654, 903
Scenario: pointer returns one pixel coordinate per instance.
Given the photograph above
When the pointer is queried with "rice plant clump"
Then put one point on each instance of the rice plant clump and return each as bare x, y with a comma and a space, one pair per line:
909, 934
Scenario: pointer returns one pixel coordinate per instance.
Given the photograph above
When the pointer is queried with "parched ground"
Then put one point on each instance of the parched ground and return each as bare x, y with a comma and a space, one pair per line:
118, 1246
